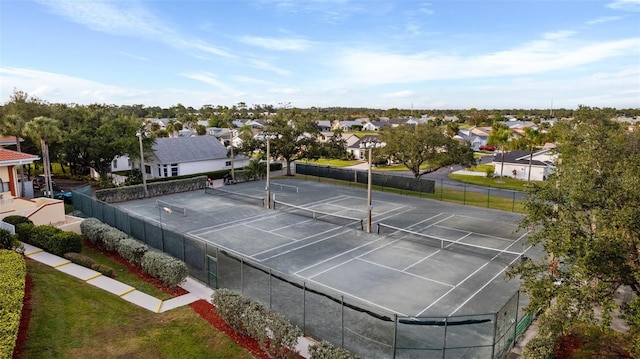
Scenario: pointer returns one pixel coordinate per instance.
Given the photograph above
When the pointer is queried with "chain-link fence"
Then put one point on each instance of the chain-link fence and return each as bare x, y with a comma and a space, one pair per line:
319, 311
439, 189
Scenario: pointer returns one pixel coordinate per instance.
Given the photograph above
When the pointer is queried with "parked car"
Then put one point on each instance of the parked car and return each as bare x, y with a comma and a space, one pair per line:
40, 183
487, 148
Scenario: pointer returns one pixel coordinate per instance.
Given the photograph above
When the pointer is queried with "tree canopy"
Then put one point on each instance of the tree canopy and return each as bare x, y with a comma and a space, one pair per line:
586, 218
422, 144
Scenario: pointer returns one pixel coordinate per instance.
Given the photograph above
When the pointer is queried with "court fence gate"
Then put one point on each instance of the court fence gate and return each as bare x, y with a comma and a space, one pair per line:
319, 311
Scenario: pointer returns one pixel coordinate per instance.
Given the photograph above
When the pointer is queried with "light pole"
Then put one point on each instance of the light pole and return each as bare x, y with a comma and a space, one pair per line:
268, 136
144, 178
370, 144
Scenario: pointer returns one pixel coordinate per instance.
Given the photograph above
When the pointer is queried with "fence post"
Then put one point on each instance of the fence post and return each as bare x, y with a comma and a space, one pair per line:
395, 334
241, 275
304, 308
513, 202
444, 343
342, 321
269, 288
488, 195
495, 329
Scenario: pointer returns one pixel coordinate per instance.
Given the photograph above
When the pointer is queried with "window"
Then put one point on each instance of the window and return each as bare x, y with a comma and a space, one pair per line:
129, 163
174, 169
114, 164
147, 169
228, 163
165, 171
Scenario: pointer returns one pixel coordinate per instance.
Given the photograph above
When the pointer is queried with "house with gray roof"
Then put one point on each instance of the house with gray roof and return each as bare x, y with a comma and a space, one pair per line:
189, 155
516, 164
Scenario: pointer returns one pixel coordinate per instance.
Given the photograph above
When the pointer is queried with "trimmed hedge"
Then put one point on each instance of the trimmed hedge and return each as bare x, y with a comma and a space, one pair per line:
13, 270
326, 350
113, 240
168, 270
54, 240
85, 261
16, 220
276, 336
23, 231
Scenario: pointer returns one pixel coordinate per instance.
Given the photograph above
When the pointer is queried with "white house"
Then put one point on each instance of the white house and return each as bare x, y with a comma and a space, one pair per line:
516, 164
189, 155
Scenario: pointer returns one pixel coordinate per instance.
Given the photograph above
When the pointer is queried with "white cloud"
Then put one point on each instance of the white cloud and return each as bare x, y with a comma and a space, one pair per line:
557, 35
604, 19
625, 5
284, 91
284, 44
210, 79
127, 19
261, 64
133, 56
399, 94
540, 56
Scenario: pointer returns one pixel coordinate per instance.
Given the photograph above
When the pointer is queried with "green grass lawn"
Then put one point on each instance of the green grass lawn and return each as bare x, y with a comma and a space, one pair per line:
333, 162
123, 275
72, 319
494, 182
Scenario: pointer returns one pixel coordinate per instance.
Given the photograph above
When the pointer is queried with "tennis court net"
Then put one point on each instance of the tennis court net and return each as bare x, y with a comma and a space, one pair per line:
504, 256
321, 216
259, 201
171, 207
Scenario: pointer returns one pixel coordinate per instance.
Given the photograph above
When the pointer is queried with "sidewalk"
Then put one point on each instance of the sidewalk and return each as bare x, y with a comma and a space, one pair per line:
196, 289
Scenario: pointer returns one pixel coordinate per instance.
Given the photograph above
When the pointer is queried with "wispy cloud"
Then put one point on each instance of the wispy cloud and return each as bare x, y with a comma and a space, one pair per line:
625, 5
210, 79
284, 44
604, 19
399, 94
264, 65
126, 19
284, 91
133, 56
551, 53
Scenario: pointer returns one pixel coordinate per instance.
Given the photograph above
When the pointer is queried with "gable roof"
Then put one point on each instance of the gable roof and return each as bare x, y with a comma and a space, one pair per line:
521, 157
9, 157
188, 149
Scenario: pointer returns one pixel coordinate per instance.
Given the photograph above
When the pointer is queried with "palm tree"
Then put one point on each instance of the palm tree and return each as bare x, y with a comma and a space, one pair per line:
14, 125
46, 130
533, 138
500, 135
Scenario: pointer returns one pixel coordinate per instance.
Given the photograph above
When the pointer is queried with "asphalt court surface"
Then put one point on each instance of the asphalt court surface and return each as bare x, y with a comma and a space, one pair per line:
392, 271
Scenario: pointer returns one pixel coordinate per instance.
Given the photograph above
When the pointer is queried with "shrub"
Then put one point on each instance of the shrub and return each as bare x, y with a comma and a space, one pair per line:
326, 350
230, 305
88, 262
540, 347
55, 240
23, 232
92, 229
12, 281
275, 335
165, 268
131, 250
6, 239
16, 220
111, 238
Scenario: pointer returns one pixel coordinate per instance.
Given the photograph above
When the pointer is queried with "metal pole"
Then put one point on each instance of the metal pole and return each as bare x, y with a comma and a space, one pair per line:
233, 175
268, 175
369, 195
142, 172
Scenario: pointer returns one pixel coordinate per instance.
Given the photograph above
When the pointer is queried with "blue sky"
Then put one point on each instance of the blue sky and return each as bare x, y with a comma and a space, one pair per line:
380, 54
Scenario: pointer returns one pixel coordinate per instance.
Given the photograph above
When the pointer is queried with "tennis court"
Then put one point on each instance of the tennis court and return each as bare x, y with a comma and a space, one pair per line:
414, 263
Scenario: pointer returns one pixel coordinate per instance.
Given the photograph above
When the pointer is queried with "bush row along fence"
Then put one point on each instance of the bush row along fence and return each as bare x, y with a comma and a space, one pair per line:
438, 189
129, 193
319, 311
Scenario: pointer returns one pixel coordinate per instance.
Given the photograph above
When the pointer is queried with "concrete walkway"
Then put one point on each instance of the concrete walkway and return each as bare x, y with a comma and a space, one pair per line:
196, 289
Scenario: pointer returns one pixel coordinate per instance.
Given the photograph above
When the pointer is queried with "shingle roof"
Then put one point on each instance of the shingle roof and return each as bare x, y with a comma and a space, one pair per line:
14, 156
188, 149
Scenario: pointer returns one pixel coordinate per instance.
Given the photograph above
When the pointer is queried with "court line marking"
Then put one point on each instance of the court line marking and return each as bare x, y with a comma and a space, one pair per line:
305, 245
478, 233
340, 254
430, 255
354, 296
232, 224
291, 240
494, 277
375, 215
401, 271
300, 240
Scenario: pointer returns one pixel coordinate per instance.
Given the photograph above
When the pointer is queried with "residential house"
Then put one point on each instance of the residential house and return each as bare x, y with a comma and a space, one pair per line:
516, 164
359, 152
374, 125
324, 125
475, 136
353, 145
189, 155
41, 210
347, 126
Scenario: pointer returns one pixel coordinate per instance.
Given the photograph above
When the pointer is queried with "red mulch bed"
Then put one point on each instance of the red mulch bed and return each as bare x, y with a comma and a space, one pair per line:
203, 308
